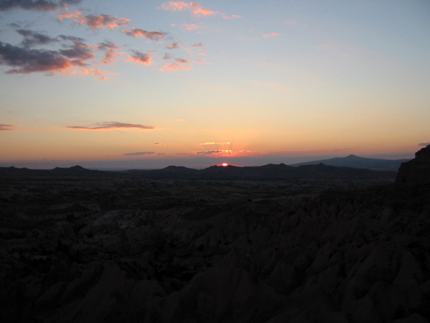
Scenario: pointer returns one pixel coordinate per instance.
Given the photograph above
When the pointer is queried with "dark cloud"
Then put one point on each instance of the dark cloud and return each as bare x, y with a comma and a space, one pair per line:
167, 56
107, 46
136, 32
210, 152
38, 5
79, 50
111, 125
140, 153
24, 60
425, 144
14, 25
32, 38
5, 127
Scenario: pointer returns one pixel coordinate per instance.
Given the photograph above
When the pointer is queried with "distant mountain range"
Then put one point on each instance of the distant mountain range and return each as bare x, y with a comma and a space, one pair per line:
359, 162
270, 171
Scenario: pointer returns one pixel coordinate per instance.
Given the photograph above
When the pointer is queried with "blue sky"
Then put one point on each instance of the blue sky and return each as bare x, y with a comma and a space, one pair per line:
146, 84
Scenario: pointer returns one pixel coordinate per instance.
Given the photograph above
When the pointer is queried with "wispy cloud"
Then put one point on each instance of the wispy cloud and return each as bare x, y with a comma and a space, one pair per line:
197, 45
196, 9
425, 144
212, 152
111, 125
291, 22
32, 38
173, 46
139, 57
5, 127
37, 5
96, 72
214, 143
271, 35
69, 15
179, 64
96, 21
136, 32
191, 26
140, 153
110, 52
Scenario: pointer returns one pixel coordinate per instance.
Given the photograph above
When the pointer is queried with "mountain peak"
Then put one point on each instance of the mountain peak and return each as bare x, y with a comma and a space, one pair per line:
351, 156
77, 167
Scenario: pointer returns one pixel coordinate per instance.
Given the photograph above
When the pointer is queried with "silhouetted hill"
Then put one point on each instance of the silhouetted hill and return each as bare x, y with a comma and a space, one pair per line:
283, 171
359, 162
74, 171
270, 171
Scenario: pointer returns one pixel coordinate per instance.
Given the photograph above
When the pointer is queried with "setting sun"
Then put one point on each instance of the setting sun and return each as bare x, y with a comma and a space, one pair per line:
224, 164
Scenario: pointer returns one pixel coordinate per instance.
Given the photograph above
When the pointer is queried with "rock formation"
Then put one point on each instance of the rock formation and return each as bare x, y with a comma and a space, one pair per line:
416, 171
243, 252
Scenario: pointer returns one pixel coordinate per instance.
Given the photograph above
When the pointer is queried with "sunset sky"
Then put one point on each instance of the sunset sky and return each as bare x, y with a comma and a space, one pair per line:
147, 84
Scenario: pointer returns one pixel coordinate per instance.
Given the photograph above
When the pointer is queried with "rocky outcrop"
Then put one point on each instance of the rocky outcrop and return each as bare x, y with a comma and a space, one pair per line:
416, 171
347, 256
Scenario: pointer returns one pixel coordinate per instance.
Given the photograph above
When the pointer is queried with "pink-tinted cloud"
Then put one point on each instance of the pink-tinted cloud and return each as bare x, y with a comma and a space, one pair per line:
136, 32
96, 21
191, 26
197, 45
214, 143
179, 64
96, 72
230, 17
111, 125
5, 127
139, 57
196, 9
291, 22
173, 46
69, 15
110, 50
271, 35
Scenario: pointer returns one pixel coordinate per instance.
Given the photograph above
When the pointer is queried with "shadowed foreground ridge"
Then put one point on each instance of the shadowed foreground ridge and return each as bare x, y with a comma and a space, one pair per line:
134, 250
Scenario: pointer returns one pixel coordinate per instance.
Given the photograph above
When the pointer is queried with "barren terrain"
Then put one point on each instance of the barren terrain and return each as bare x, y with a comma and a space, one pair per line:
146, 250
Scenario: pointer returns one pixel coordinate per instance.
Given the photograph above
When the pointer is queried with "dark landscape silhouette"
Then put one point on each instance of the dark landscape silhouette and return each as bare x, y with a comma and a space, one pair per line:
273, 243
